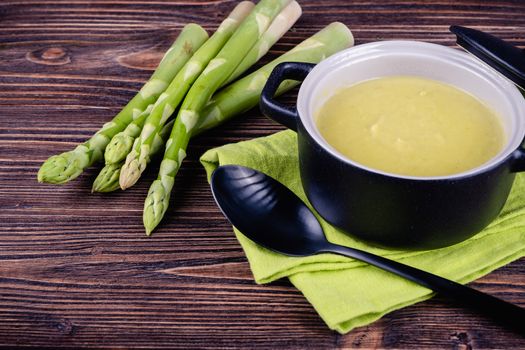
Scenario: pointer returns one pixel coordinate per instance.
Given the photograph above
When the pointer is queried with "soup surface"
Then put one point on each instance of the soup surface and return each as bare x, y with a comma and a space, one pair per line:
410, 126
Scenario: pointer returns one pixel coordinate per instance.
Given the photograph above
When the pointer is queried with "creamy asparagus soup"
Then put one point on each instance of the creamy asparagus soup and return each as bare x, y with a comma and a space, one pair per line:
410, 126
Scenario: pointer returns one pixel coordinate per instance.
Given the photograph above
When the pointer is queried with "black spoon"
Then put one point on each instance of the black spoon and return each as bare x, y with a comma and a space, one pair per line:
271, 215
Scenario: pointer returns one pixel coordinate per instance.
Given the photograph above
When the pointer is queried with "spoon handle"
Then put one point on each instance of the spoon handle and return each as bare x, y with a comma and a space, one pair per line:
508, 313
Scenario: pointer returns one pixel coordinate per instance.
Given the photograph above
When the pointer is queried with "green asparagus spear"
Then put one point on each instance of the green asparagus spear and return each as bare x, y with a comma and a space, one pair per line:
120, 145
244, 94
215, 74
107, 179
280, 25
139, 156
64, 167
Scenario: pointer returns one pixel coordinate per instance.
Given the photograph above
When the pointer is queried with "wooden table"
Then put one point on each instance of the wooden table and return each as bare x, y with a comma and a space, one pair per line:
76, 268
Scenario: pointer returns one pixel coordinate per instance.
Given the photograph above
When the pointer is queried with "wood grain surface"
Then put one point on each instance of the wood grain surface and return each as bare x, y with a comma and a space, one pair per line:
76, 269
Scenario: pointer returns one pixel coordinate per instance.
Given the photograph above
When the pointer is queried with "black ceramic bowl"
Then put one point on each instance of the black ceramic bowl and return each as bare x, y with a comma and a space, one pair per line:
388, 209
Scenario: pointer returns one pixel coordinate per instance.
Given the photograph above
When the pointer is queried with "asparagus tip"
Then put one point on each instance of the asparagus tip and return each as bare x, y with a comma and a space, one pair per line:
149, 223
149, 219
118, 148
129, 174
60, 168
107, 179
155, 205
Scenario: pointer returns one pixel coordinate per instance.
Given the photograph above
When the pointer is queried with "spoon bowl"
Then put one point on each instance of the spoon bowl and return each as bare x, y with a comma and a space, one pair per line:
266, 211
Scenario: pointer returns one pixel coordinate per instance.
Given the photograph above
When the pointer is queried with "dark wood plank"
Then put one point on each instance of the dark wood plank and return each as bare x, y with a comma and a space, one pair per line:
76, 269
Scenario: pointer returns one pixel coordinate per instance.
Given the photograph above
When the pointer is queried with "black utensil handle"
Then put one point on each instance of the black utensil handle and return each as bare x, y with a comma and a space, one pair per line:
510, 314
277, 111
497, 53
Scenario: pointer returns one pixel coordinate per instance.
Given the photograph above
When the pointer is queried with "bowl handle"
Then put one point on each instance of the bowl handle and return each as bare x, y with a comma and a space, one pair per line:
277, 111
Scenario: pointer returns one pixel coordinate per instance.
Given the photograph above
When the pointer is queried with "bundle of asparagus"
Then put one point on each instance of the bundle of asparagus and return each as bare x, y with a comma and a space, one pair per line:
141, 130
67, 166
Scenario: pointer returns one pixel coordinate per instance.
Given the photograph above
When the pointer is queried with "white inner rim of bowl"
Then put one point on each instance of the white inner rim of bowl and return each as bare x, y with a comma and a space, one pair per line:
427, 60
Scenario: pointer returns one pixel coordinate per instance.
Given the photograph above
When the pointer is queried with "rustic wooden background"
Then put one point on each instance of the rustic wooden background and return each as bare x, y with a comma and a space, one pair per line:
76, 268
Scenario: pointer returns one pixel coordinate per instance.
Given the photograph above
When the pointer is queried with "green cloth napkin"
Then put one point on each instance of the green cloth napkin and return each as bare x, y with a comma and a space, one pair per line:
347, 293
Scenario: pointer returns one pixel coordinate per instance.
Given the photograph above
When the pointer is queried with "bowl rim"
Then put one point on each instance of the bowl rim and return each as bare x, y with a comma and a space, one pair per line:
385, 48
